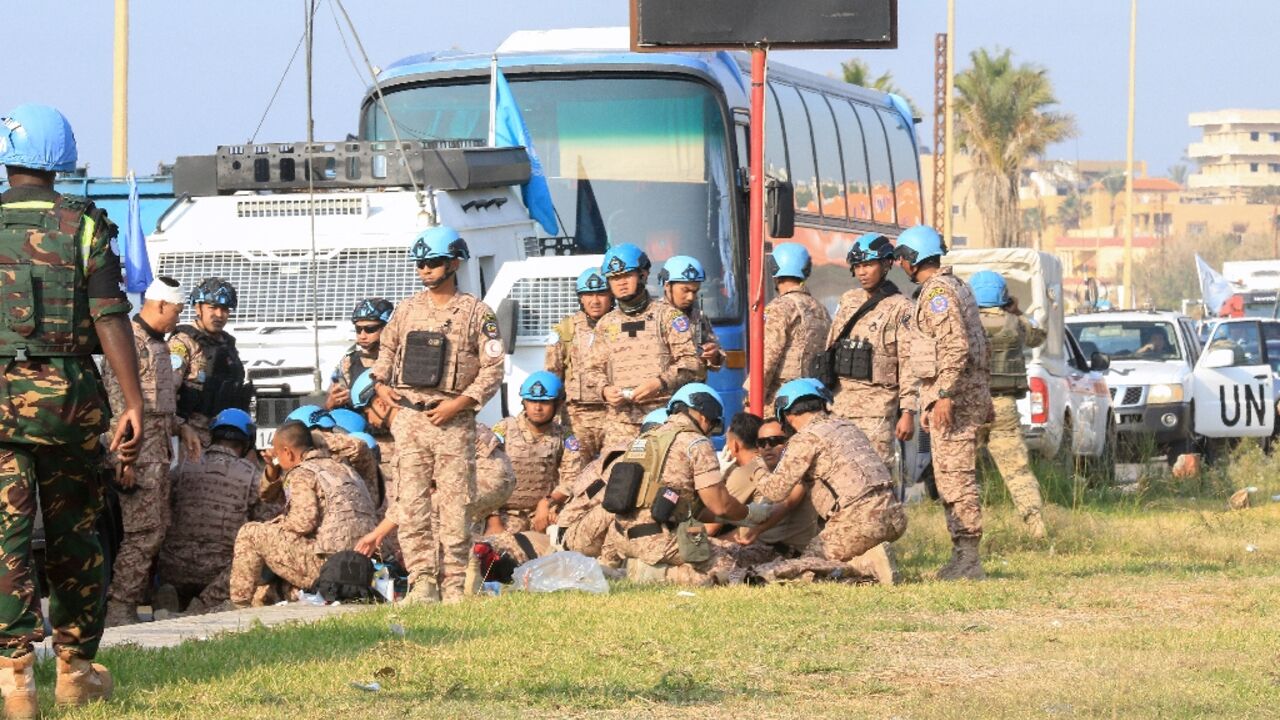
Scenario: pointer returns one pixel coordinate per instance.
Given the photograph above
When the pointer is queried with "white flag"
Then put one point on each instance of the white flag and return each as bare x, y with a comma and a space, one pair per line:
1215, 288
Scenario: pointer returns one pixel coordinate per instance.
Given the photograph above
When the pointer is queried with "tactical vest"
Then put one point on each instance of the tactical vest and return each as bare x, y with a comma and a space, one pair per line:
159, 384
808, 338
355, 364
224, 383
353, 453
348, 513
211, 500
639, 352
462, 349
634, 478
535, 463
44, 309
578, 346
840, 473
1008, 365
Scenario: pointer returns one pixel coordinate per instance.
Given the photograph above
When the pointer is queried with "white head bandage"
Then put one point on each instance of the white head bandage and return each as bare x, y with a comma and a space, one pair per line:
165, 289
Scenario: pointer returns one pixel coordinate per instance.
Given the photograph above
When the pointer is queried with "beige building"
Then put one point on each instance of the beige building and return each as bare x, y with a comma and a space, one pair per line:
1240, 151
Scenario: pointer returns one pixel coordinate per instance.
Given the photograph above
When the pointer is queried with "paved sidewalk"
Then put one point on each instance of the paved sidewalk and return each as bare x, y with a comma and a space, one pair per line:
167, 633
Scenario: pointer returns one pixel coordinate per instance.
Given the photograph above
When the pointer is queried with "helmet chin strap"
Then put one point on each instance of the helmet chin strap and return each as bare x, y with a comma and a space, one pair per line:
443, 279
636, 302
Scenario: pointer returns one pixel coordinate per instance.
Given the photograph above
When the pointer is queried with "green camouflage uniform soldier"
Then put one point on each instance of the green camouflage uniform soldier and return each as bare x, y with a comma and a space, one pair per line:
52, 407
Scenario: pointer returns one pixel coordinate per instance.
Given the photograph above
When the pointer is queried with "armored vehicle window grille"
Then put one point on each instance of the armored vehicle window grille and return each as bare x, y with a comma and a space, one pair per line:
543, 302
275, 292
301, 207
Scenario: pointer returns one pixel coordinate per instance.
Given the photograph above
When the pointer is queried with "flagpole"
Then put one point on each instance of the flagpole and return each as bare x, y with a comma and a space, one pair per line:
120, 92
493, 101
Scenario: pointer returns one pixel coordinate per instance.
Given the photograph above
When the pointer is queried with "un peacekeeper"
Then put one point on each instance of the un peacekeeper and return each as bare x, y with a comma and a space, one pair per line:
662, 490
878, 395
143, 486
1009, 332
795, 323
567, 356
543, 452
211, 499
369, 317
336, 439
681, 278
849, 487
327, 512
643, 351
949, 361
52, 408
440, 359
206, 359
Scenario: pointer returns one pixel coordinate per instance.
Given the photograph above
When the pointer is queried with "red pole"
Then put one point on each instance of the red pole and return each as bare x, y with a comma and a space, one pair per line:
755, 243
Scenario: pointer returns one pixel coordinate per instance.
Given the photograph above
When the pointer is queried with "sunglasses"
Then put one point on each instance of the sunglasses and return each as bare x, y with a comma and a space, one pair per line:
368, 329
771, 442
433, 263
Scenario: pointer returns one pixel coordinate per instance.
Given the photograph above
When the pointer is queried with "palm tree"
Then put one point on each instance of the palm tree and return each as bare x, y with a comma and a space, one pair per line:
1178, 173
1113, 183
1072, 211
1003, 120
857, 72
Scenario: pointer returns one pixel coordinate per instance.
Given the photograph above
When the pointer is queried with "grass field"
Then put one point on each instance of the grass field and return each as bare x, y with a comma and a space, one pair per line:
1152, 603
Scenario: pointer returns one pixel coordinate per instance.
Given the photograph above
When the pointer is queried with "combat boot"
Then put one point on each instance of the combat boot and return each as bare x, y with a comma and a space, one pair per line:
18, 685
880, 562
81, 681
425, 591
1035, 525
120, 613
965, 563
165, 598
471, 583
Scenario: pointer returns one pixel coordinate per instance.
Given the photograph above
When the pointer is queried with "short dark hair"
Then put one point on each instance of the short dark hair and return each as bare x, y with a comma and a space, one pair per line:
806, 405
746, 427
295, 435
230, 437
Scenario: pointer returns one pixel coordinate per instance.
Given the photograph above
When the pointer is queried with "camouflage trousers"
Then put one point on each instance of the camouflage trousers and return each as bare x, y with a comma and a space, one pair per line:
954, 472
661, 552
492, 491
146, 518
518, 549
587, 534
1009, 453
65, 477
848, 533
268, 545
436, 480
588, 425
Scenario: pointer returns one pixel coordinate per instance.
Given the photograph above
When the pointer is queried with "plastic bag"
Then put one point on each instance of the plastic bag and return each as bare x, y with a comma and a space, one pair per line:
561, 571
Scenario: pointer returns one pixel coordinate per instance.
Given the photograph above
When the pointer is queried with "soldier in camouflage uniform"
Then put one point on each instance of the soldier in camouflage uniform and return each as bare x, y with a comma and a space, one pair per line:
369, 317
206, 360
1008, 333
328, 435
52, 407
544, 454
643, 350
948, 359
440, 360
144, 484
681, 278
584, 524
567, 356
849, 487
795, 323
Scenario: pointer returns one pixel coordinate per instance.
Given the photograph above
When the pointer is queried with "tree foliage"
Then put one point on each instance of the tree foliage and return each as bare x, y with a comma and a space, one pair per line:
856, 71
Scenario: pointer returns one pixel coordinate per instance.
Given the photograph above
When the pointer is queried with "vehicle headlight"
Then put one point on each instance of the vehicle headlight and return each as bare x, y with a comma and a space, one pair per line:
1164, 394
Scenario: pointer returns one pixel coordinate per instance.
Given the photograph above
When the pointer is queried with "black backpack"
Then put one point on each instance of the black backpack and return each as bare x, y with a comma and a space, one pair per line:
347, 577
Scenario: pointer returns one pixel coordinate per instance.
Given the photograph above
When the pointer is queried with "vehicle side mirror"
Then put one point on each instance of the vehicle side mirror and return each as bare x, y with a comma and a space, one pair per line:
1099, 362
1218, 358
507, 311
780, 208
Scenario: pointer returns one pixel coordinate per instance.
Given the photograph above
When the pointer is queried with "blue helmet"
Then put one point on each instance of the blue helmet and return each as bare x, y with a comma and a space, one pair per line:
349, 420
872, 246
37, 137
235, 419
440, 241
790, 260
541, 385
654, 419
792, 392
989, 289
215, 291
682, 268
700, 397
362, 390
919, 243
369, 440
591, 281
372, 309
313, 416
622, 259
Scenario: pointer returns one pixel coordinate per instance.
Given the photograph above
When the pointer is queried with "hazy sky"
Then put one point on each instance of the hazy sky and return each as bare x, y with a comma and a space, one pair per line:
202, 72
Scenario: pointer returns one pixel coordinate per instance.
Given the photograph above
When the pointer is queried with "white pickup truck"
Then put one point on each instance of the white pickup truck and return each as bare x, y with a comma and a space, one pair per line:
1067, 413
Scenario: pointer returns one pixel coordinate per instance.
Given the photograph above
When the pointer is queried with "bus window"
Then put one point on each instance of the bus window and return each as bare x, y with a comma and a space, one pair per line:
882, 204
830, 176
775, 144
857, 187
804, 171
906, 172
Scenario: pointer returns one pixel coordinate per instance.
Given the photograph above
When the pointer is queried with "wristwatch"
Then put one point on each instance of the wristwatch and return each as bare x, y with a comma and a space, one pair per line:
944, 394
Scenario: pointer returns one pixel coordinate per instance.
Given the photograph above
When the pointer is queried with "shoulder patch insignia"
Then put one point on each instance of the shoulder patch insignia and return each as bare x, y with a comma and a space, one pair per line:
680, 324
176, 360
490, 327
493, 348
178, 348
939, 303
571, 444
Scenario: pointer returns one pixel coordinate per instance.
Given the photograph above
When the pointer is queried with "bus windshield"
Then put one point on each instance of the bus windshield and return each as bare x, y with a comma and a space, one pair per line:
628, 159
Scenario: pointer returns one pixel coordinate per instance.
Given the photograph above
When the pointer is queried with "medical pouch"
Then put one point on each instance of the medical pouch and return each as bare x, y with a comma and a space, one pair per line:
424, 358
692, 542
665, 505
623, 489
853, 359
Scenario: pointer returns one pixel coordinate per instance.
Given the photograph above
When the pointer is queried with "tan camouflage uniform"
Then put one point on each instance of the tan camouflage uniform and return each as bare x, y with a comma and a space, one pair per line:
795, 330
495, 476
691, 465
566, 357
145, 510
355, 453
191, 367
703, 333
542, 459
342, 374
632, 349
436, 465
1003, 436
584, 524
874, 405
948, 350
849, 489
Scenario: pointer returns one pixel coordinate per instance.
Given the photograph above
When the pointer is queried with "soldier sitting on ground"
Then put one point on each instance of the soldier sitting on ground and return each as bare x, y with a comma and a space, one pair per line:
332, 437
792, 524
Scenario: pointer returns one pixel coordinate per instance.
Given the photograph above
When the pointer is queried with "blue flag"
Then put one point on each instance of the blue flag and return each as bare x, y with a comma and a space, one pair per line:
137, 267
510, 131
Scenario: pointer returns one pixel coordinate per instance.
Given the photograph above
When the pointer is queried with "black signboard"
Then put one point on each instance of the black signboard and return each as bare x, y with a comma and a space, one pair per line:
781, 24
